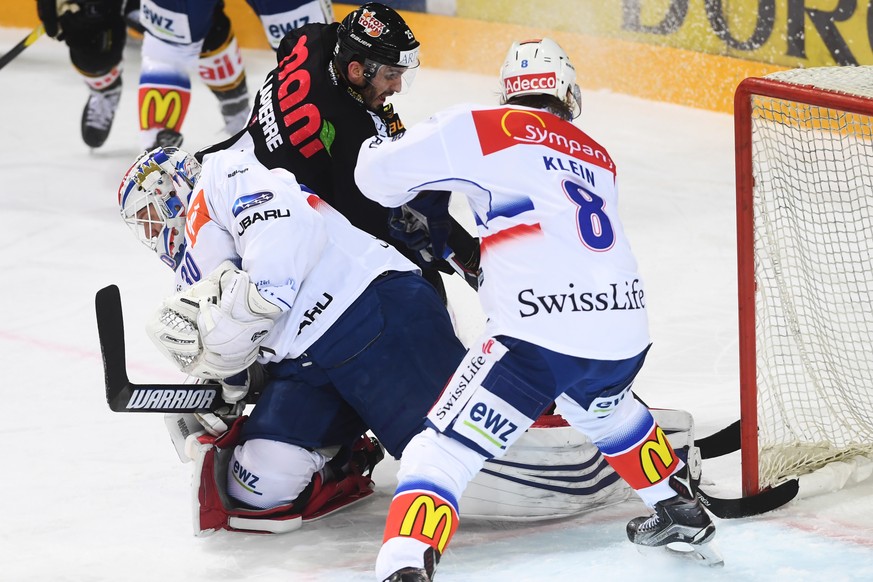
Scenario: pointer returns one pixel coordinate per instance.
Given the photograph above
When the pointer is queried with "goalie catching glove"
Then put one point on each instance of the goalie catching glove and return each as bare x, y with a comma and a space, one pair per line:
214, 328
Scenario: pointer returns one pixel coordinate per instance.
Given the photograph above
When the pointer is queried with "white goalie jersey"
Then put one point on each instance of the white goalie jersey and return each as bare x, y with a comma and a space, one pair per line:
302, 255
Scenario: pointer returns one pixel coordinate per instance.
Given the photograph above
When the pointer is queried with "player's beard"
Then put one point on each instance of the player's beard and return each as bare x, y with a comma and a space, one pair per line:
374, 99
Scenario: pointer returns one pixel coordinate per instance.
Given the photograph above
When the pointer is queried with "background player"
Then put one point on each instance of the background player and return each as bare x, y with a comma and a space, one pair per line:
182, 36
95, 32
565, 303
327, 96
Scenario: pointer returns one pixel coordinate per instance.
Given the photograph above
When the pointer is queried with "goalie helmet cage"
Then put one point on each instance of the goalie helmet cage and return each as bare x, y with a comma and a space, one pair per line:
804, 176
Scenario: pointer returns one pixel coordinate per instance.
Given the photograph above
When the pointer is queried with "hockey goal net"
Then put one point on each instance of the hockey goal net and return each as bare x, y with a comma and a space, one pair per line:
804, 162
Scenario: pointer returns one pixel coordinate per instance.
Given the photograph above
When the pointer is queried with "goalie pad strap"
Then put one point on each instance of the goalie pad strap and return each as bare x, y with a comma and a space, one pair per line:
262, 525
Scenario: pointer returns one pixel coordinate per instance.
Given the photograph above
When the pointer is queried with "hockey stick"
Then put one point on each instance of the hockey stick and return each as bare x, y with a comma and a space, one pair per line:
723, 442
765, 501
19, 48
124, 396
726, 441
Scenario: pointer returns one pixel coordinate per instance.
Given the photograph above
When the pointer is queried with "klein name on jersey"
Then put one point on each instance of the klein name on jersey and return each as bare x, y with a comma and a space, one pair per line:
171, 398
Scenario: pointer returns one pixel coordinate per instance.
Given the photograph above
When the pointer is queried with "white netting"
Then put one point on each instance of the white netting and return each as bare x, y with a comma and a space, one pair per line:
813, 207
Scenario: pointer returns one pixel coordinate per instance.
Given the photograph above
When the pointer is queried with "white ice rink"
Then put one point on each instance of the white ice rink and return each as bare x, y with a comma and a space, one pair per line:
91, 495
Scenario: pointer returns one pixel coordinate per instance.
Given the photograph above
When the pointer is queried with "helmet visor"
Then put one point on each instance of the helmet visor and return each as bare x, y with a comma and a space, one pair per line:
399, 79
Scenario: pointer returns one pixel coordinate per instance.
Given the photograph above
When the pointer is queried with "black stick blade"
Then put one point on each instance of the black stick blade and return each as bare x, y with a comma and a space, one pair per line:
765, 501
121, 394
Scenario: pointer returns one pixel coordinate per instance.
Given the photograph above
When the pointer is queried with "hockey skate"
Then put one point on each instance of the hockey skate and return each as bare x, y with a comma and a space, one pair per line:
431, 559
99, 114
167, 138
680, 524
234, 107
409, 575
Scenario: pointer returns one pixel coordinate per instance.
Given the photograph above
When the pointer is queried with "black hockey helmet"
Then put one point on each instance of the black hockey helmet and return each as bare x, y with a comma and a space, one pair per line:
376, 32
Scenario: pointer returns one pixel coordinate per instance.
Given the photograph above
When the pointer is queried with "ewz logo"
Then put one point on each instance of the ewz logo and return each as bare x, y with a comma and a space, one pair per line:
246, 479
491, 424
280, 29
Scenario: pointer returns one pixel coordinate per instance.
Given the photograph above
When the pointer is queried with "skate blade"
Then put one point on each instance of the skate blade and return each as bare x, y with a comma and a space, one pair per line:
704, 554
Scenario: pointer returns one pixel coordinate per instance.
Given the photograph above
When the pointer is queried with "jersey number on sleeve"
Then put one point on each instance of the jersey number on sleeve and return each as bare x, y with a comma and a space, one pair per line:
593, 225
189, 271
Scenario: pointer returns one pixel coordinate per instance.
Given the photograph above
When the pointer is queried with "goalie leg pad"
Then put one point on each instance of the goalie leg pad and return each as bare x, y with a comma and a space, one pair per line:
552, 471
556, 471
328, 497
215, 509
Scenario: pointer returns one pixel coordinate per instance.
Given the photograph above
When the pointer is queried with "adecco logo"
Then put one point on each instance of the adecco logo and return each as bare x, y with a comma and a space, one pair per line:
532, 82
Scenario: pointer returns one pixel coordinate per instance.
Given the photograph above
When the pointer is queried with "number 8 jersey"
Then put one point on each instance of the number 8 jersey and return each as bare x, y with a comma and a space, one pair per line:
557, 268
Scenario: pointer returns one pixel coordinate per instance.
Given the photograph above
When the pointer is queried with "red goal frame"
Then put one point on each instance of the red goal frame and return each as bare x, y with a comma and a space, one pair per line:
745, 182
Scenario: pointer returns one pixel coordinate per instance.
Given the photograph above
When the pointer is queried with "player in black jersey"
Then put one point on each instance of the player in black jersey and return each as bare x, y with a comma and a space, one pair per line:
95, 32
324, 99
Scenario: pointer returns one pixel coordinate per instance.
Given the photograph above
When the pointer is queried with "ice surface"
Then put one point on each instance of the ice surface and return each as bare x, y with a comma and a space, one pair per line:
90, 495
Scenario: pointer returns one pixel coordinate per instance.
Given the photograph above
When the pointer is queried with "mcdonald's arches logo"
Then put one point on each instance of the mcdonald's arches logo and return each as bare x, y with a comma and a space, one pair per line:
423, 516
162, 107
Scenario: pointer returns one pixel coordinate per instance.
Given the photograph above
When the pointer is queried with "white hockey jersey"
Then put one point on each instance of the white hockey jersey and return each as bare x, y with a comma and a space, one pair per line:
303, 255
557, 269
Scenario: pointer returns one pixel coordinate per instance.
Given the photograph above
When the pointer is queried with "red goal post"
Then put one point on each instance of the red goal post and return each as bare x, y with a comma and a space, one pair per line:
804, 178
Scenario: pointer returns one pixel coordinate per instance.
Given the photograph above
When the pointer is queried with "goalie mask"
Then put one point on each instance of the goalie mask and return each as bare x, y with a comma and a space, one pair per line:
540, 67
153, 197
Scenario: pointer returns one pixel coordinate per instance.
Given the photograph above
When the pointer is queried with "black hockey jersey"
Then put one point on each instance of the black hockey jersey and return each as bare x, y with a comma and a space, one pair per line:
308, 121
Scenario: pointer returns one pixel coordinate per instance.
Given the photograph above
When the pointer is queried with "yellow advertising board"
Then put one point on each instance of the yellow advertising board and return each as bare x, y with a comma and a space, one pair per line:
593, 32
789, 33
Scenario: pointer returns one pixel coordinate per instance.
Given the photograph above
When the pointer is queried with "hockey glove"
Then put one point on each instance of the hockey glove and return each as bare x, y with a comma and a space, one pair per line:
82, 22
465, 255
394, 128
232, 330
412, 232
47, 10
430, 211
244, 387
95, 32
214, 328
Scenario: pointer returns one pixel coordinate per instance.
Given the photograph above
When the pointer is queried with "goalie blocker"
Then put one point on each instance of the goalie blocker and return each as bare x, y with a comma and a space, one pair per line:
553, 471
